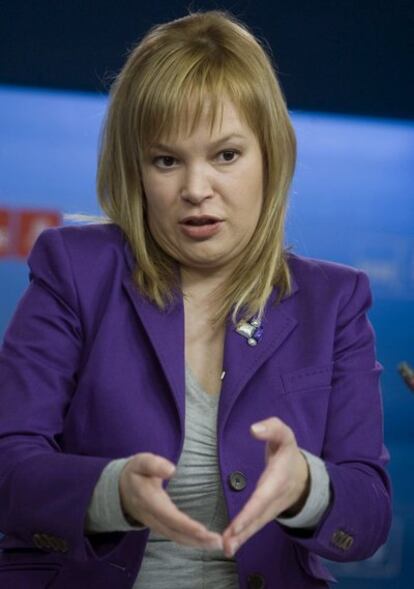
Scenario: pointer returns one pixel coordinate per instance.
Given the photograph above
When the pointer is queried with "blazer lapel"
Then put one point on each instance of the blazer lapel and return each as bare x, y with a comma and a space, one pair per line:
165, 330
241, 361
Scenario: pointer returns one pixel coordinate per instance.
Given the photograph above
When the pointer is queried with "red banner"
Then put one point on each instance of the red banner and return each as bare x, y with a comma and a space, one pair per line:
5, 238
19, 229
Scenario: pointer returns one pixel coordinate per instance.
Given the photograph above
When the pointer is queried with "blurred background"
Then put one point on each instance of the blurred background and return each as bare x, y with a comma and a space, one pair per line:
347, 69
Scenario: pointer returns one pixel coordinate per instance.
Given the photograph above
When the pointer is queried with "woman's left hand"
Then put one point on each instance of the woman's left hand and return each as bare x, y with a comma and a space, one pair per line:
283, 485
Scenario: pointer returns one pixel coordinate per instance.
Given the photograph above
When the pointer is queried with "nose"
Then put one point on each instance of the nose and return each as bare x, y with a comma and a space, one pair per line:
196, 185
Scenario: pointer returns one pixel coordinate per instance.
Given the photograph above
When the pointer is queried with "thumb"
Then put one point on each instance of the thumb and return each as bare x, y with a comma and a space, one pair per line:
273, 431
272, 428
152, 465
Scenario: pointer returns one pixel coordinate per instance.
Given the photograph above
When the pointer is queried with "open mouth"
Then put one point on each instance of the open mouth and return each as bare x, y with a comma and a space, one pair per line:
201, 227
200, 221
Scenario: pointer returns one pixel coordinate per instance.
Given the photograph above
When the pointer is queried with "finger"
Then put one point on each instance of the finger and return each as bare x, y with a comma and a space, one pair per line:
232, 543
148, 464
163, 510
250, 514
209, 541
251, 511
152, 500
274, 431
178, 526
269, 491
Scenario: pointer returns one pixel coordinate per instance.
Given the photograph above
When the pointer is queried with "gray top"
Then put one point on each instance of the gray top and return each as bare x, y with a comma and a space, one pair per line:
196, 490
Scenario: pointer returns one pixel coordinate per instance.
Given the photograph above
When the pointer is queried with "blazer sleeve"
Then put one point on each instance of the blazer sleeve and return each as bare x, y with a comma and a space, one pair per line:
43, 490
358, 519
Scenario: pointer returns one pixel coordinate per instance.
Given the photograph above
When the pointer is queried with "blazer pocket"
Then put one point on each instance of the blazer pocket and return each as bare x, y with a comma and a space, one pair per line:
28, 575
313, 566
312, 377
27, 569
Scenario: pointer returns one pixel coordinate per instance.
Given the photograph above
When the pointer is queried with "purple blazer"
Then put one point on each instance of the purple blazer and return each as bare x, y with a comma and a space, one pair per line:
91, 371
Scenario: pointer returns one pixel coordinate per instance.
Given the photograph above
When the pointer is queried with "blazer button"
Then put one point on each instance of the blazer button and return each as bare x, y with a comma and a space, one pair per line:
58, 544
37, 541
256, 581
42, 541
53, 543
46, 541
237, 481
50, 543
62, 545
342, 540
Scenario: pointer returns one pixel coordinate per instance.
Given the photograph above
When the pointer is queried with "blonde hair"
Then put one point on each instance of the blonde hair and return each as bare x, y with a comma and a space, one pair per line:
202, 55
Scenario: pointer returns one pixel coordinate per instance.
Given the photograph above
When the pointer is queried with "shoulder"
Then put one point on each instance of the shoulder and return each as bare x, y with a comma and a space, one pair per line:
79, 260
304, 268
326, 280
80, 244
91, 235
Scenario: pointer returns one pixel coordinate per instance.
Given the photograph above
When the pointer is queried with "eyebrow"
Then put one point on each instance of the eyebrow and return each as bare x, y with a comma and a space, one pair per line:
214, 145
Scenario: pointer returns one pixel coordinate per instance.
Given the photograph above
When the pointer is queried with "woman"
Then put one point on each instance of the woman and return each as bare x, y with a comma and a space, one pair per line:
180, 343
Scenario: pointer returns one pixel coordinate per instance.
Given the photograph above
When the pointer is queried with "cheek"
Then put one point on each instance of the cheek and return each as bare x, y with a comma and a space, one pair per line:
158, 197
156, 214
160, 214
252, 191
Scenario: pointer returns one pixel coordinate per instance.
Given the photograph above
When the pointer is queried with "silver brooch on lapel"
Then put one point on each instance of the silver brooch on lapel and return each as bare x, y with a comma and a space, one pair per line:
252, 330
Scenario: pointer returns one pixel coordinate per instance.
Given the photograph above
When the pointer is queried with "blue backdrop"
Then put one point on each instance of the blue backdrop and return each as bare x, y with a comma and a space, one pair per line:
352, 201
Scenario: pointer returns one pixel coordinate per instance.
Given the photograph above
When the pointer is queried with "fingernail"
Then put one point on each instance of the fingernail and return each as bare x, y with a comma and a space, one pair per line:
258, 428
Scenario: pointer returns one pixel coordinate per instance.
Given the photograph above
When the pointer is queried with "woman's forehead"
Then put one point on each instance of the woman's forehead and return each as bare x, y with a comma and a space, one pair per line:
215, 119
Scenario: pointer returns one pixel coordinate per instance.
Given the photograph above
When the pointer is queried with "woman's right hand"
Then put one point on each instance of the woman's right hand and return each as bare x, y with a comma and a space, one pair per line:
144, 500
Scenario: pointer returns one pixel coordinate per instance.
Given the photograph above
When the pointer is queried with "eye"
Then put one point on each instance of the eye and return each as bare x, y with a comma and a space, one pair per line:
164, 161
228, 155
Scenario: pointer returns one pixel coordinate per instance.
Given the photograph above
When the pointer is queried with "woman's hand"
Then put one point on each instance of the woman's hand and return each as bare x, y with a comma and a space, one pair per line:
144, 500
283, 485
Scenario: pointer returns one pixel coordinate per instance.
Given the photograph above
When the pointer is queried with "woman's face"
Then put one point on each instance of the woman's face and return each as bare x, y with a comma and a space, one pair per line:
204, 192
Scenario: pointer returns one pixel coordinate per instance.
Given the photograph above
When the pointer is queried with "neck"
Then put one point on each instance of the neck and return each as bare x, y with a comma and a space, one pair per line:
199, 286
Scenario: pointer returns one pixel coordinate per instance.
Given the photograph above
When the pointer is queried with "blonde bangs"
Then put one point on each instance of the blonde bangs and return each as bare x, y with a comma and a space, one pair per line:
172, 103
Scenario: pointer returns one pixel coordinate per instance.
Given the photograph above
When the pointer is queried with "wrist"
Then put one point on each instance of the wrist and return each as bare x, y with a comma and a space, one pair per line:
300, 502
130, 519
122, 502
